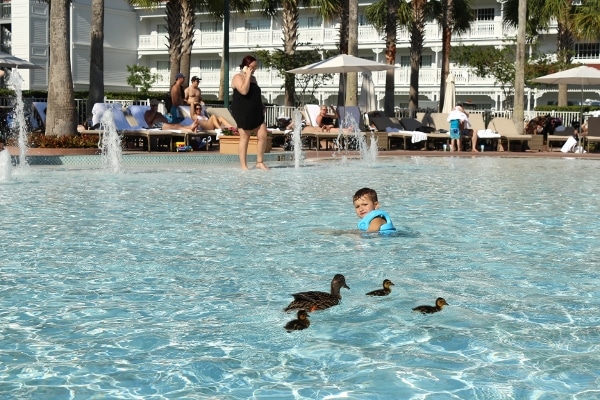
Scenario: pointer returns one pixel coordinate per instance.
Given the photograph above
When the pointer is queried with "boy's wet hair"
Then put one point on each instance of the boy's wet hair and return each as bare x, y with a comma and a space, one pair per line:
370, 193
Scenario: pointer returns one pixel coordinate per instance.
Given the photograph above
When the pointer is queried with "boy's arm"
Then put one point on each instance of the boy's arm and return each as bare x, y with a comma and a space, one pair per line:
376, 224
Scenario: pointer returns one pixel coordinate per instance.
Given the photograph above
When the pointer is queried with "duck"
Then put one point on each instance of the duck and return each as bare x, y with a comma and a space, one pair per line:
439, 304
314, 300
298, 324
385, 291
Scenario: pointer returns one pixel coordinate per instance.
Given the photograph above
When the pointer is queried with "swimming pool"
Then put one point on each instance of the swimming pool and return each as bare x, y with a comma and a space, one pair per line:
170, 282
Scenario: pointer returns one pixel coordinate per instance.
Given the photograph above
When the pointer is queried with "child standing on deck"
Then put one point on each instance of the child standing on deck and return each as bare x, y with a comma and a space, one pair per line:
366, 206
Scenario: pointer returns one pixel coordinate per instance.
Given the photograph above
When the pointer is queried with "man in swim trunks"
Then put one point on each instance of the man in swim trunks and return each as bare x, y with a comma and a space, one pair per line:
192, 93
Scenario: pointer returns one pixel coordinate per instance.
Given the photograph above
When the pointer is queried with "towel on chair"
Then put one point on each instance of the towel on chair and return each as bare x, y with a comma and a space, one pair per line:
418, 137
569, 145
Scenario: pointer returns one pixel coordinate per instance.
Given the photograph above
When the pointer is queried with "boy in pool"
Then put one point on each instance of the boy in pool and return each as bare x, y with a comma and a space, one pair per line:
366, 206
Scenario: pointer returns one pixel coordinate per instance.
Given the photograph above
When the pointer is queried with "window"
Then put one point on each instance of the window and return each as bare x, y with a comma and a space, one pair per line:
587, 50
426, 61
256, 24
485, 14
210, 65
163, 66
362, 21
309, 22
162, 29
210, 26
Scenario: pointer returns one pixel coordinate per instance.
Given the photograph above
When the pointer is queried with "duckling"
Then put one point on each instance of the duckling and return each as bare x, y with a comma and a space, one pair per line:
313, 300
298, 324
385, 291
439, 304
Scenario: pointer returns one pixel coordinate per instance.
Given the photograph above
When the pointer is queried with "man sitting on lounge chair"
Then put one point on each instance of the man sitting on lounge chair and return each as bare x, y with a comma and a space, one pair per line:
155, 119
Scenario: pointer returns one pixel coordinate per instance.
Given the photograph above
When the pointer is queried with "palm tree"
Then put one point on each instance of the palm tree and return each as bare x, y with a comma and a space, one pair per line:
96, 87
573, 23
383, 15
61, 119
456, 17
420, 12
290, 16
518, 104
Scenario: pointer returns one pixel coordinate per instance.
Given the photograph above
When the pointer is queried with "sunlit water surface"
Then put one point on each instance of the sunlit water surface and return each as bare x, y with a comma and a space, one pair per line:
162, 283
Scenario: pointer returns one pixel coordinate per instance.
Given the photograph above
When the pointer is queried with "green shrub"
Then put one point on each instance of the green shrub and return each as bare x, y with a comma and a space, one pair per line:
38, 140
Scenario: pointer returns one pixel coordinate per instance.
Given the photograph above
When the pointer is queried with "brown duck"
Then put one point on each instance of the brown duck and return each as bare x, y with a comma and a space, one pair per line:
439, 304
298, 324
313, 300
383, 292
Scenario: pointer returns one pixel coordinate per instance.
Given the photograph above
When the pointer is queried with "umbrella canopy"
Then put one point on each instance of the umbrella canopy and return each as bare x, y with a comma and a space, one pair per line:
10, 61
367, 101
583, 75
450, 96
342, 63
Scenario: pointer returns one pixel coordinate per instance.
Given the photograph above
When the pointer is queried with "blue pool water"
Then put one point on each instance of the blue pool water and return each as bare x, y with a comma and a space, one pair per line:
163, 283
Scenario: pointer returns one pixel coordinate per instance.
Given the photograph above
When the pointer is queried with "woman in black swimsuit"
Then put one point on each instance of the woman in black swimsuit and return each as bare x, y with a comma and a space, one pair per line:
248, 111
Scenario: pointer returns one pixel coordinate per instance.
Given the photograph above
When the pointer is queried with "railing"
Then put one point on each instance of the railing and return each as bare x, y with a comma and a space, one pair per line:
368, 37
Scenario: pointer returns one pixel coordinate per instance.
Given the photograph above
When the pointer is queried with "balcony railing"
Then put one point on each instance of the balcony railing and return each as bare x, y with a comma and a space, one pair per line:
271, 80
368, 37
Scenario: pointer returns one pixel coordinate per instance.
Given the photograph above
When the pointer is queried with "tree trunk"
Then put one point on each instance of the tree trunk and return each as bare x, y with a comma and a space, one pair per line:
344, 26
352, 78
96, 93
391, 28
416, 49
61, 119
519, 102
565, 44
173, 10
290, 42
188, 26
447, 25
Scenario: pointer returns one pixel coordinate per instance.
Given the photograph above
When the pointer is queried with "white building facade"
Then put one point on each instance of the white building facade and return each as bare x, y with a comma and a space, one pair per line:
138, 36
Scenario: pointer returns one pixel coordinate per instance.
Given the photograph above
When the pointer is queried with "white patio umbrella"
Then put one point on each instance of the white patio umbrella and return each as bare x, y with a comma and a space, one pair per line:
583, 75
367, 101
10, 61
450, 95
342, 63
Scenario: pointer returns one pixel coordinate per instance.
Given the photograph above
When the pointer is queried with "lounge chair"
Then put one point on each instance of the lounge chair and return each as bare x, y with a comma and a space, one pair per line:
593, 131
37, 117
560, 136
312, 129
478, 126
124, 127
506, 129
435, 134
137, 113
223, 113
391, 129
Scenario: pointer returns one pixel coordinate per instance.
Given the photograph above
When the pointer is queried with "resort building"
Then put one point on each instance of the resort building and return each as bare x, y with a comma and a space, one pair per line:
138, 36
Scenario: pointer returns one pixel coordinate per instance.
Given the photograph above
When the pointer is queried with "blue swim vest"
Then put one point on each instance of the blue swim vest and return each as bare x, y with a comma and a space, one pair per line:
363, 224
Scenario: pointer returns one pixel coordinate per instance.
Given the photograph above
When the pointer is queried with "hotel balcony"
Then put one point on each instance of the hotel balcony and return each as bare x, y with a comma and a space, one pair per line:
492, 33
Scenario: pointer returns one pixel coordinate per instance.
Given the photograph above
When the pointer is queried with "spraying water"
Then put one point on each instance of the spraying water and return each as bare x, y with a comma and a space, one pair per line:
350, 138
19, 115
5, 166
297, 140
110, 143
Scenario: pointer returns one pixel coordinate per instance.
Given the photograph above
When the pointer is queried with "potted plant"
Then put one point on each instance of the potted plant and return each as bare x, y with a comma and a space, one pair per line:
230, 140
